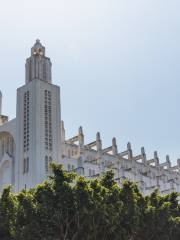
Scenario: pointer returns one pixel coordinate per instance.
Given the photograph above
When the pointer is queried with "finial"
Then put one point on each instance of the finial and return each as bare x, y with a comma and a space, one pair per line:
38, 43
130, 153
167, 158
114, 146
143, 155
155, 154
156, 159
80, 130
143, 151
98, 142
168, 161
114, 141
178, 163
98, 137
80, 137
129, 146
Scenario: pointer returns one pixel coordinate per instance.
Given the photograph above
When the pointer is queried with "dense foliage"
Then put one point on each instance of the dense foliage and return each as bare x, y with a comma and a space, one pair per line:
67, 207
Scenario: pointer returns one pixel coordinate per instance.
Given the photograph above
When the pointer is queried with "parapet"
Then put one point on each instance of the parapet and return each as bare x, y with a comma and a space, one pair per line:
127, 154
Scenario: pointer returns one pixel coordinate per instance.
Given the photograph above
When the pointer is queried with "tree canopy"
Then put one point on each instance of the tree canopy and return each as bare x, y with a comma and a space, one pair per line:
71, 207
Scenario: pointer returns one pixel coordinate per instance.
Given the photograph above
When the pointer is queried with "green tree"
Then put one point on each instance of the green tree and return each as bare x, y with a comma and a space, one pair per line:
71, 207
7, 214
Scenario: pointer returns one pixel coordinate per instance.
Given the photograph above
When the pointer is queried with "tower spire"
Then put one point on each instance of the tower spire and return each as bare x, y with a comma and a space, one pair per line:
38, 66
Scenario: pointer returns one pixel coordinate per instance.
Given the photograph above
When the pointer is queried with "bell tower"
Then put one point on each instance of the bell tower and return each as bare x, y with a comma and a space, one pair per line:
38, 66
38, 121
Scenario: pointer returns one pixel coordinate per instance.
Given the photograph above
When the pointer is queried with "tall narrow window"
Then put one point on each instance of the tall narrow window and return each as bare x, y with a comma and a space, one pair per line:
47, 120
26, 165
48, 161
46, 164
26, 121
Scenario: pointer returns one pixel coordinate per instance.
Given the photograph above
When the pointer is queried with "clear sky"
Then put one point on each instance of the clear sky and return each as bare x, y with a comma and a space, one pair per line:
117, 62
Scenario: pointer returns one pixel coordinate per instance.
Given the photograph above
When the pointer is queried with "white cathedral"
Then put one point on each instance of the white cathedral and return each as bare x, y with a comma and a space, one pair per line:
36, 137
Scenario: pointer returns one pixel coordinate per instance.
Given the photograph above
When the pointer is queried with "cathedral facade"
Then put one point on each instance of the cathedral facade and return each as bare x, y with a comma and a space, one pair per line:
36, 137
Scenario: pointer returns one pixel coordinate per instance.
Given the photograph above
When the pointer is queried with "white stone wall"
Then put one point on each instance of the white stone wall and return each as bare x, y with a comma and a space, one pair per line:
37, 151
7, 153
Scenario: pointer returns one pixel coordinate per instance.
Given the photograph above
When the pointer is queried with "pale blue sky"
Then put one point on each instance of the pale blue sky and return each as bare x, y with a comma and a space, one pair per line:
117, 62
